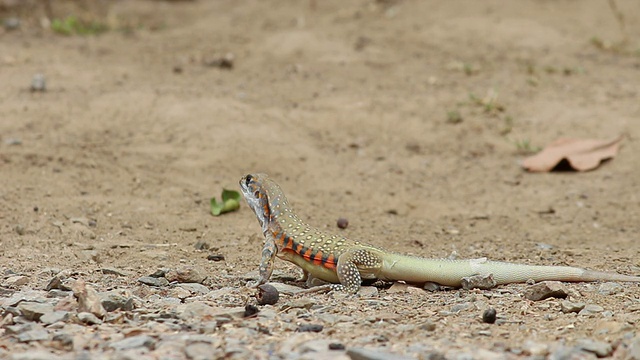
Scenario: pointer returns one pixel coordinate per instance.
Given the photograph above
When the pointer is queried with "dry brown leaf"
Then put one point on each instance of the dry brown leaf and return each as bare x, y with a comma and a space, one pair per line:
580, 154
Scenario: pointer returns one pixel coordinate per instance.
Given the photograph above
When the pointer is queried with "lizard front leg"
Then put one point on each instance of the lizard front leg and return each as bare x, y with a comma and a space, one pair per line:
269, 252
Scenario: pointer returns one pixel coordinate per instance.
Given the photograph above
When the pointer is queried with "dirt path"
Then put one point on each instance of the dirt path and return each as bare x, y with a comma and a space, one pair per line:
409, 118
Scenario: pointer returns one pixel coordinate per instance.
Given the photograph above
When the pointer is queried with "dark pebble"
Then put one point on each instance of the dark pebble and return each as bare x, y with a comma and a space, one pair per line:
489, 316
213, 257
153, 281
343, 223
267, 295
310, 328
159, 273
336, 346
250, 310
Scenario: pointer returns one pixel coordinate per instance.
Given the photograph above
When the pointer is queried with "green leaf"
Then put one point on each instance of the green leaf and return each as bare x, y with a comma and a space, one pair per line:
230, 195
230, 202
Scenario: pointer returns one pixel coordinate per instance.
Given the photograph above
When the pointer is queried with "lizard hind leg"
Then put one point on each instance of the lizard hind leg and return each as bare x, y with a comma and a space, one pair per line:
351, 267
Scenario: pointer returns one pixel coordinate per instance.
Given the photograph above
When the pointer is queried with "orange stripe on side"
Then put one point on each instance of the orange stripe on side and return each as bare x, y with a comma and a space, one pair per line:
317, 259
330, 263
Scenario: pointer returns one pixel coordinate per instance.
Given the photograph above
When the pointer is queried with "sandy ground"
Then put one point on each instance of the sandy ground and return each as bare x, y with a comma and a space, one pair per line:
350, 107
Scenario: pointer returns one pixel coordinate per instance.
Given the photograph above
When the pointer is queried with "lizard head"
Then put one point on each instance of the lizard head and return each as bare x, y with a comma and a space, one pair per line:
254, 190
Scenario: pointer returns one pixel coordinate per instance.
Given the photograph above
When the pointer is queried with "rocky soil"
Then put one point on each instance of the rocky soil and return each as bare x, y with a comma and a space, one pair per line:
407, 118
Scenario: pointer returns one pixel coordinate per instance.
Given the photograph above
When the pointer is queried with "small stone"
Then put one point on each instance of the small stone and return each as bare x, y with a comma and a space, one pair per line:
153, 281
610, 288
57, 283
250, 310
38, 334
428, 326
186, 274
634, 349
373, 354
38, 83
133, 343
460, 307
19, 229
368, 292
201, 245
482, 282
343, 223
88, 318
310, 328
11, 23
431, 286
535, 348
567, 306
590, 310
203, 351
336, 346
116, 299
489, 316
54, 317
214, 257
600, 348
16, 280
114, 271
159, 273
35, 355
55, 293
33, 310
267, 295
545, 290
20, 328
194, 288
88, 299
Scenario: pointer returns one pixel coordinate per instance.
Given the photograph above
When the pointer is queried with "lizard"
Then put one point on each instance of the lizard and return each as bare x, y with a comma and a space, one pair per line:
345, 263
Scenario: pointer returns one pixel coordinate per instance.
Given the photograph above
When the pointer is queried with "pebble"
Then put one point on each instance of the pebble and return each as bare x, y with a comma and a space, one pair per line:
489, 316
546, 289
310, 328
16, 280
600, 348
343, 223
57, 283
35, 355
634, 349
567, 306
38, 83
186, 274
482, 282
114, 271
54, 317
19, 229
11, 23
37, 334
535, 348
153, 281
194, 288
33, 310
203, 351
133, 342
590, 310
116, 299
610, 288
89, 318
88, 299
373, 354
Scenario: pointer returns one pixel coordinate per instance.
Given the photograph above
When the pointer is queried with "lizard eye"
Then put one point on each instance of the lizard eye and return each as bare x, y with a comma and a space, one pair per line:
248, 179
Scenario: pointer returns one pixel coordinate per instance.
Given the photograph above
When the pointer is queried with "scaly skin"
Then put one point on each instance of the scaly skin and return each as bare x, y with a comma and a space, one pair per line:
345, 263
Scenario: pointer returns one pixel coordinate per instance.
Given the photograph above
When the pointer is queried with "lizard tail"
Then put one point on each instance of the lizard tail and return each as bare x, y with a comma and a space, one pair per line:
450, 272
